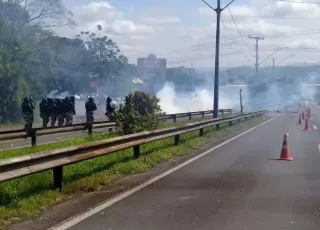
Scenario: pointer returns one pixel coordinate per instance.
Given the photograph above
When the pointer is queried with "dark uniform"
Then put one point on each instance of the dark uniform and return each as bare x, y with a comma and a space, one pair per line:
44, 112
110, 109
68, 109
27, 111
90, 108
60, 112
52, 110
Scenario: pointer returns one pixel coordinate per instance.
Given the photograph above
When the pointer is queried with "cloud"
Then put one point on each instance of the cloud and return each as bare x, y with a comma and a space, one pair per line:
163, 20
188, 36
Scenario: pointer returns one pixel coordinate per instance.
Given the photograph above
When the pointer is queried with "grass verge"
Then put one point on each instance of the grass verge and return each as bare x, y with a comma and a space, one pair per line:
8, 153
28, 196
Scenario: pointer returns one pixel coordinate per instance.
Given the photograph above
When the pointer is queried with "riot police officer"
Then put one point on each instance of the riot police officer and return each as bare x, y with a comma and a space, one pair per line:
90, 108
68, 109
110, 109
44, 112
27, 108
52, 110
60, 112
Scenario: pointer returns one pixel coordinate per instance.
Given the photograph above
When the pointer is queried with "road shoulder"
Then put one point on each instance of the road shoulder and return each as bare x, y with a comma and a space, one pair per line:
81, 201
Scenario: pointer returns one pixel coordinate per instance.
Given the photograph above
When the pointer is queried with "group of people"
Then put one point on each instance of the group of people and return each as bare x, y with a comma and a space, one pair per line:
62, 110
50, 110
91, 107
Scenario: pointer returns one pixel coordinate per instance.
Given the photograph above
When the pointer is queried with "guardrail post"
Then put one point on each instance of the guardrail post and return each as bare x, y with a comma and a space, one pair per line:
230, 111
217, 126
136, 151
57, 177
230, 123
33, 134
246, 118
201, 132
174, 117
239, 120
177, 139
202, 114
189, 114
222, 112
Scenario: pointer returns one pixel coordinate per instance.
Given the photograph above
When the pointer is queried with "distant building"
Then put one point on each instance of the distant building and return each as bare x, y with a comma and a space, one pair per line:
152, 71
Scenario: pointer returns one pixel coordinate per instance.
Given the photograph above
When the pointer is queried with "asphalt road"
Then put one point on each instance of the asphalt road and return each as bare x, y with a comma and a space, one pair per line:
235, 187
63, 136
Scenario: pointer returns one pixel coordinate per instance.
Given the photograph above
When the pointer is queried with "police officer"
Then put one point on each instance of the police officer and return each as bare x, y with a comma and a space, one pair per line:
60, 112
27, 111
90, 108
68, 109
44, 112
110, 109
52, 110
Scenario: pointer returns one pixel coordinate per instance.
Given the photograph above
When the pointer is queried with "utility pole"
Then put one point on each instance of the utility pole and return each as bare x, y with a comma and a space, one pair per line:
273, 68
192, 78
257, 51
241, 106
218, 10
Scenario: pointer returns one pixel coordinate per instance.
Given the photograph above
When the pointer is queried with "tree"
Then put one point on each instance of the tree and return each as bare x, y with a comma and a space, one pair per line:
34, 14
140, 112
12, 89
105, 59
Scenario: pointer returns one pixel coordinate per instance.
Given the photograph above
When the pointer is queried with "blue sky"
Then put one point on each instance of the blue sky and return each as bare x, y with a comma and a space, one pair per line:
183, 31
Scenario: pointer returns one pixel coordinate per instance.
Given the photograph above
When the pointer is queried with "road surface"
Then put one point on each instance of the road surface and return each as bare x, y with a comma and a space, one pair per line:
9, 144
235, 187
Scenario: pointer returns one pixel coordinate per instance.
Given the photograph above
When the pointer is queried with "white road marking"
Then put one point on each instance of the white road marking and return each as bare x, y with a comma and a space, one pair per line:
315, 127
92, 211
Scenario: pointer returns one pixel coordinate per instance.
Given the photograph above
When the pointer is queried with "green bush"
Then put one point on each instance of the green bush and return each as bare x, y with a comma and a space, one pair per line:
140, 112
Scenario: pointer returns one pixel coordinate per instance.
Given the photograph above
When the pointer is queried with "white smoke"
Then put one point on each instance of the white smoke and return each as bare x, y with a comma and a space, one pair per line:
172, 101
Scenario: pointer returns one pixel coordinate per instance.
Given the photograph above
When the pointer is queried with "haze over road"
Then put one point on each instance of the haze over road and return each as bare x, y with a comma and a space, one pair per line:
235, 187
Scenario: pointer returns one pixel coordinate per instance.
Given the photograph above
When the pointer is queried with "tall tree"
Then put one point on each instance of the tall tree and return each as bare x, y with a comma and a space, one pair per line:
106, 59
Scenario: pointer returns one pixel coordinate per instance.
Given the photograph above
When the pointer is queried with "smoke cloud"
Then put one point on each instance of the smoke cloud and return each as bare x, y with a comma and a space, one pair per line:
201, 98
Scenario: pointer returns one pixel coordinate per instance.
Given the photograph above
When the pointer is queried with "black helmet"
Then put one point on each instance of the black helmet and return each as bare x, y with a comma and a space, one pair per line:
90, 99
109, 99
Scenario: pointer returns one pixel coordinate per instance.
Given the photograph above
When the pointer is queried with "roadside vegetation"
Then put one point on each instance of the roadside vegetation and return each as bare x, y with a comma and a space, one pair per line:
29, 196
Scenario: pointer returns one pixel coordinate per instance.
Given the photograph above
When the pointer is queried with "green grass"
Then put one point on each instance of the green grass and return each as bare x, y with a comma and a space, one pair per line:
8, 153
26, 197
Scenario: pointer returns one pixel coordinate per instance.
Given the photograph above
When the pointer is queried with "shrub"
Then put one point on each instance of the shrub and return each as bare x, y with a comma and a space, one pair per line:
140, 112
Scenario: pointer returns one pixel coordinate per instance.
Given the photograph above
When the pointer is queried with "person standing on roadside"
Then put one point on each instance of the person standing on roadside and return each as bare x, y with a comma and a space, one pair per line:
110, 109
68, 109
27, 111
60, 112
90, 108
44, 112
52, 110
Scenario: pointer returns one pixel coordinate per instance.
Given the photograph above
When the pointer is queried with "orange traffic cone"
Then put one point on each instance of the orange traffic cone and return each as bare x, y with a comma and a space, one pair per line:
307, 126
300, 119
285, 152
302, 115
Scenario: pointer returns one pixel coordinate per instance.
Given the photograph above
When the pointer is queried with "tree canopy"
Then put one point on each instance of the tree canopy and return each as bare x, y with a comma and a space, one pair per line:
34, 61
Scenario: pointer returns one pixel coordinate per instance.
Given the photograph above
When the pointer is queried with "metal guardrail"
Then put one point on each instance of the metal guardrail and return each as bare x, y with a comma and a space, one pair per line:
13, 168
33, 133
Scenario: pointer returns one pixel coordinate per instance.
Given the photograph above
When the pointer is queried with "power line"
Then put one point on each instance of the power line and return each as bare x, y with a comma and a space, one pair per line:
234, 21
